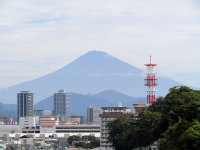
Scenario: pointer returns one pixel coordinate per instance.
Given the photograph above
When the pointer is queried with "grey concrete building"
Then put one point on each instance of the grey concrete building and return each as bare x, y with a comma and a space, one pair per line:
93, 115
25, 104
62, 105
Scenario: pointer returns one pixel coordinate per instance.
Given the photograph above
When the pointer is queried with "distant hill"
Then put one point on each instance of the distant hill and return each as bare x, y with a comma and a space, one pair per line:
8, 110
114, 97
80, 102
91, 73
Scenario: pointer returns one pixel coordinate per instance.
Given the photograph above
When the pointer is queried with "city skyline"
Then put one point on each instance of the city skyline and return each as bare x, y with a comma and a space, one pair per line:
38, 38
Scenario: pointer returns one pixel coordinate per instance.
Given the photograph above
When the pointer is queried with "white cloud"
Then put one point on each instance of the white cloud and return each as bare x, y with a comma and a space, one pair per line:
47, 35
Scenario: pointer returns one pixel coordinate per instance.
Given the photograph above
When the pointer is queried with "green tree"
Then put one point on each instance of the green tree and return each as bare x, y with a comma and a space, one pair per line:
73, 139
172, 136
191, 137
148, 128
81, 144
88, 142
127, 133
183, 135
119, 132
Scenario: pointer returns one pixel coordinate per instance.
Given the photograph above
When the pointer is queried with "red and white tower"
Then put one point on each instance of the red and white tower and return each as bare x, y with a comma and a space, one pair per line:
151, 82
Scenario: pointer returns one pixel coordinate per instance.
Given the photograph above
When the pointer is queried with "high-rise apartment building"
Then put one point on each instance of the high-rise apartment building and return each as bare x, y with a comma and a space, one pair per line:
25, 104
93, 115
61, 105
109, 114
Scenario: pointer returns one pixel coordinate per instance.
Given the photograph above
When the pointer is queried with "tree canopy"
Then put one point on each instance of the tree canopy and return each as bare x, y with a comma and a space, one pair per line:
87, 142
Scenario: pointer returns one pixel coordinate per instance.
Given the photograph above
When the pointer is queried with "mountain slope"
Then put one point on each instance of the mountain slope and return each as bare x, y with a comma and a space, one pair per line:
8, 110
114, 97
80, 102
91, 73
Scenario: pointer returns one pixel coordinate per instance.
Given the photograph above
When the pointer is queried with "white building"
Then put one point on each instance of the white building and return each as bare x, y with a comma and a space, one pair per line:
6, 129
27, 122
108, 114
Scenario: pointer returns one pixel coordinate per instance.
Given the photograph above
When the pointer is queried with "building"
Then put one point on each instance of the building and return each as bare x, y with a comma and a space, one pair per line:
81, 118
138, 108
78, 129
93, 115
62, 105
4, 120
40, 113
48, 124
7, 129
109, 114
75, 120
27, 122
48, 120
31, 131
25, 104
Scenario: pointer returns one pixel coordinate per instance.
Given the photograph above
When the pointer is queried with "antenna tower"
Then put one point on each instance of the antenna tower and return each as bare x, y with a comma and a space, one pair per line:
151, 82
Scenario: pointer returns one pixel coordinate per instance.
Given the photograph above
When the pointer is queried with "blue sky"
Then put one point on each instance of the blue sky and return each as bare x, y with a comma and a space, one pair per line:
38, 37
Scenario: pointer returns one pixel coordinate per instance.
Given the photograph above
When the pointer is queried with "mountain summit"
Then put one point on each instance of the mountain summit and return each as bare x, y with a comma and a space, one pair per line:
93, 72
100, 63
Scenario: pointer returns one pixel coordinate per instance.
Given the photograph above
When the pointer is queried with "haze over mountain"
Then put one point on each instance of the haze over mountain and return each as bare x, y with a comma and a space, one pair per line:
78, 103
93, 72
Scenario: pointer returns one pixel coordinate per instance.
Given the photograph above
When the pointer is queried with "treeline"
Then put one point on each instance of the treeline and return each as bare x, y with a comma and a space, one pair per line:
87, 142
174, 120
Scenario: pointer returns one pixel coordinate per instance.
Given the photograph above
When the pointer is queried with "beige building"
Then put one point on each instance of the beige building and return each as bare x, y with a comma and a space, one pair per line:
109, 114
138, 108
48, 124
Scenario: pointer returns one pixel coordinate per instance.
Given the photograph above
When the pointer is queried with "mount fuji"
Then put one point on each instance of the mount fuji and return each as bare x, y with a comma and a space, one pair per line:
91, 73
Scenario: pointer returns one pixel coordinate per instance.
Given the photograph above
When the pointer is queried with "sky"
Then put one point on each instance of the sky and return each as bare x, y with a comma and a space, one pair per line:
38, 37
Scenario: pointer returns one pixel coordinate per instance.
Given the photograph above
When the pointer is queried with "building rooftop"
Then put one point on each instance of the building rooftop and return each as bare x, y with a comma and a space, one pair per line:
114, 107
114, 115
137, 105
